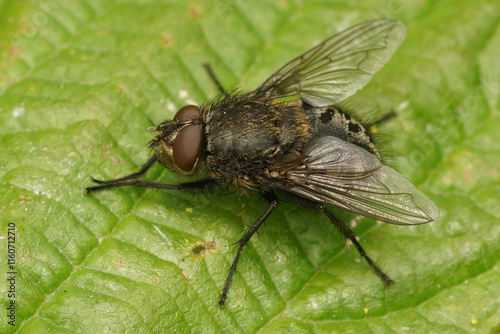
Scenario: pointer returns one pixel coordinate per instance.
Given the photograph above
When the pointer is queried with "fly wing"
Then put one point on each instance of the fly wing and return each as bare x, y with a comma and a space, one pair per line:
338, 67
338, 173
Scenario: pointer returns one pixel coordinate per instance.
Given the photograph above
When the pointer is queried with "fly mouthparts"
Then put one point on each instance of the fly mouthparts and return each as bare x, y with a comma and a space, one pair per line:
153, 129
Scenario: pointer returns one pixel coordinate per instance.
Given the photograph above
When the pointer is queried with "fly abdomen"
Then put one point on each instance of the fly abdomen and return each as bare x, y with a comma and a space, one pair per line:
333, 121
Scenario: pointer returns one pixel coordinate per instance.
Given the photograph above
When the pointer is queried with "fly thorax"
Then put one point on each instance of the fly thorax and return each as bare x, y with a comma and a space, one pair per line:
245, 134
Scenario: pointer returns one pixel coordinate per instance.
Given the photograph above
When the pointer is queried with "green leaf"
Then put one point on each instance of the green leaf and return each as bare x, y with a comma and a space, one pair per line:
78, 80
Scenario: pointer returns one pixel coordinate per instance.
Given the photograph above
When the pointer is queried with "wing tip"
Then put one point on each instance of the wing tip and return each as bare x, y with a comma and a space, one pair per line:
396, 30
432, 211
399, 30
429, 210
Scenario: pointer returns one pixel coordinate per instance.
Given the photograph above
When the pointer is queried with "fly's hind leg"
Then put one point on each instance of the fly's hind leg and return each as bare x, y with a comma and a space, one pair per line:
382, 119
273, 201
349, 234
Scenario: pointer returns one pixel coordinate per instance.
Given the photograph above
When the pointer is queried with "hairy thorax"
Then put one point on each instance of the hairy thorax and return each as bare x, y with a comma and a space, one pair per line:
244, 136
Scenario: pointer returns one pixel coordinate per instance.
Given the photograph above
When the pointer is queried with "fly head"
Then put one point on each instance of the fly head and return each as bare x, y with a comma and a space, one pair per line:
178, 144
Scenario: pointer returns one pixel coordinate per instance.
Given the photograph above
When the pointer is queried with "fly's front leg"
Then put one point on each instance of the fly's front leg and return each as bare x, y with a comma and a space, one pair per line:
212, 76
273, 201
144, 169
187, 186
124, 181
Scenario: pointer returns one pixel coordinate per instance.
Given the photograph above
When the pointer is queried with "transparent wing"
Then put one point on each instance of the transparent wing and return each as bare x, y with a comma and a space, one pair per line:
338, 67
338, 173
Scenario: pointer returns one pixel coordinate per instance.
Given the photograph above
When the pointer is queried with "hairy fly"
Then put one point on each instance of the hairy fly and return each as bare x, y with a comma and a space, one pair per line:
290, 134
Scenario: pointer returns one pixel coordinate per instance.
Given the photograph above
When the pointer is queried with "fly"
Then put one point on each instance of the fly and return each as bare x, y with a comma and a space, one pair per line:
290, 134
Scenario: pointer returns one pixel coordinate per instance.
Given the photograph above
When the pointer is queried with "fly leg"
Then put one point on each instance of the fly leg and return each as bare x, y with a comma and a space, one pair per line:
144, 169
187, 186
382, 119
124, 181
216, 81
273, 201
349, 234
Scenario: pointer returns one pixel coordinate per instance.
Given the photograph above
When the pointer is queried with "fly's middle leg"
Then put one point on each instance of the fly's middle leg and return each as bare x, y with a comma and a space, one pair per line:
273, 201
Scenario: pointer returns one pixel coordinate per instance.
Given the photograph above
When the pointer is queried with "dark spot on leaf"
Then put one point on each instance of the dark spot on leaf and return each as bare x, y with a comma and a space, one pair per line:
200, 249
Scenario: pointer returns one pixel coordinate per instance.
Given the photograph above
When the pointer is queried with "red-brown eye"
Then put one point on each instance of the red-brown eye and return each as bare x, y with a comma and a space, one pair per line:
187, 113
187, 147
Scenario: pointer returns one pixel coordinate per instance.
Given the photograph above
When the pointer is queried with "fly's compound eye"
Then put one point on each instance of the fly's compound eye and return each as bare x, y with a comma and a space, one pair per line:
187, 146
187, 113
188, 141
